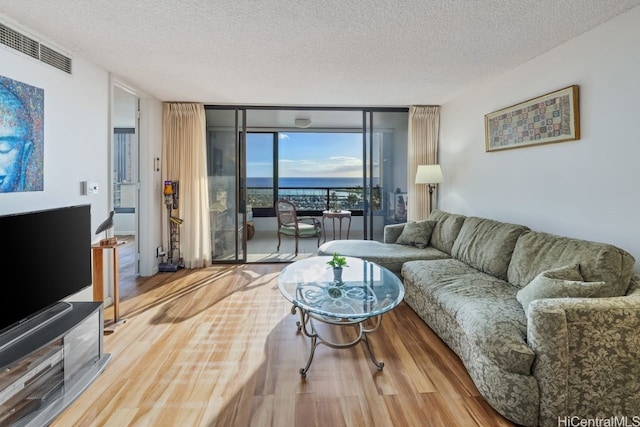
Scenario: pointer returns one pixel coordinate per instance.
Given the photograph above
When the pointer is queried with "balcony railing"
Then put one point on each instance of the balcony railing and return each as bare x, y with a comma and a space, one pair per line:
315, 199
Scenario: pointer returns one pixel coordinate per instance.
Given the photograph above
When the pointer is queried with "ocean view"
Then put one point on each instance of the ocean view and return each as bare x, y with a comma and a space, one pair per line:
311, 193
308, 182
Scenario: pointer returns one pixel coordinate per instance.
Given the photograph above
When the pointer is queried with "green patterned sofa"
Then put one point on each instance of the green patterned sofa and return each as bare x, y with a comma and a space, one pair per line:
393, 255
548, 327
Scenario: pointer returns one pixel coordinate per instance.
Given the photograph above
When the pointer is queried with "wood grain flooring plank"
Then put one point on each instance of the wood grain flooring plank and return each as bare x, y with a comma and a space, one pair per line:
219, 346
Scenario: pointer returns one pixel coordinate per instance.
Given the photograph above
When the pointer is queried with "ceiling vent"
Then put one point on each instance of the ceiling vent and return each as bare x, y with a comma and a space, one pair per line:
22, 43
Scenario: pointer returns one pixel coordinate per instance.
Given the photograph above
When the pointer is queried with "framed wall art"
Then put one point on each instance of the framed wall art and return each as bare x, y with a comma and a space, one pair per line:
21, 136
549, 118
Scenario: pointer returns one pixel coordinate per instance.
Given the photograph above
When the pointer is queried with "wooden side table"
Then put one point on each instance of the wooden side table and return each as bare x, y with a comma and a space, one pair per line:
340, 215
97, 251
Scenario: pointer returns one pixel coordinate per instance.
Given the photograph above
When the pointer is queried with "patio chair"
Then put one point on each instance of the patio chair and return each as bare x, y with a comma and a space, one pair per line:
292, 225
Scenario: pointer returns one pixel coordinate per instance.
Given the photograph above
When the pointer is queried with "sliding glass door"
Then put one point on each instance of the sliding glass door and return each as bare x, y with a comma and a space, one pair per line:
321, 159
225, 163
385, 170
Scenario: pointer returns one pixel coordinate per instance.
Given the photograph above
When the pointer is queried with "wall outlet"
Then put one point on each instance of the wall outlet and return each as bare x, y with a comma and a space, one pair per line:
89, 187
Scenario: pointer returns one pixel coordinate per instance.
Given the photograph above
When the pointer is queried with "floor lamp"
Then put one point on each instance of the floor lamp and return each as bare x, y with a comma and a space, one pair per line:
430, 175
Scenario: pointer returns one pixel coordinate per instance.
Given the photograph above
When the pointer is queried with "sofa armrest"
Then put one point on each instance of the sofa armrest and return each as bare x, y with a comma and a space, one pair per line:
392, 232
587, 356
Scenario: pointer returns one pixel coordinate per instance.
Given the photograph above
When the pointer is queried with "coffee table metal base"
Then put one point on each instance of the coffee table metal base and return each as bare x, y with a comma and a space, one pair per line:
306, 326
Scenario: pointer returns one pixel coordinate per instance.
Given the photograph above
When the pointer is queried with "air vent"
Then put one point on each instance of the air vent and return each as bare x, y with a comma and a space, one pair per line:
55, 59
18, 41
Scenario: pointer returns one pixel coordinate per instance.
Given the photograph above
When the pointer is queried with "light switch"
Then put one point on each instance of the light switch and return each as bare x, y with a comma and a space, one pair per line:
89, 187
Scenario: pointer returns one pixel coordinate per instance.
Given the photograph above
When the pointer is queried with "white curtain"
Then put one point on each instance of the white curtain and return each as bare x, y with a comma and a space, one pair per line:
424, 124
184, 155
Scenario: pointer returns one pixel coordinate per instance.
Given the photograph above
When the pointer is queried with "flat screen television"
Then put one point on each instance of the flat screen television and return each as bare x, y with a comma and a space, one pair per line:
46, 257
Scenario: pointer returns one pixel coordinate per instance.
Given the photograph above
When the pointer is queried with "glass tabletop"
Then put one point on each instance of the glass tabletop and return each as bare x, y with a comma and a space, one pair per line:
366, 290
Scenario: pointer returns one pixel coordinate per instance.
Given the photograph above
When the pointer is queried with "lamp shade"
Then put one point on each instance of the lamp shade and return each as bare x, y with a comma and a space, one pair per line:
428, 174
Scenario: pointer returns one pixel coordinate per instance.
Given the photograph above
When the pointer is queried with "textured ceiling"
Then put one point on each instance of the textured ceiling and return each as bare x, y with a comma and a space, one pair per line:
308, 52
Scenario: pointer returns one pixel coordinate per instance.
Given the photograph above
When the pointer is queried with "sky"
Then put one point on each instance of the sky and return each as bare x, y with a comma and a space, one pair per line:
306, 154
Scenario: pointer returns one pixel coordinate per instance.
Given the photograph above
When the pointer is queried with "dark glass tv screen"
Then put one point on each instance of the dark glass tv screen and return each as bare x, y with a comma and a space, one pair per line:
46, 257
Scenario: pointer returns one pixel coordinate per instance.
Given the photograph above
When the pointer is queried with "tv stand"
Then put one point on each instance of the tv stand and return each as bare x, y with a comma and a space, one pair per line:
30, 325
44, 368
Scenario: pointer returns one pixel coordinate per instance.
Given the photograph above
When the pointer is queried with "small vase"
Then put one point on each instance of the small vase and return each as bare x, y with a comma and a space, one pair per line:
337, 274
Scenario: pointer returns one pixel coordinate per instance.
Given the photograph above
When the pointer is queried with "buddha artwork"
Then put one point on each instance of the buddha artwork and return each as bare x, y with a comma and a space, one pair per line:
21, 140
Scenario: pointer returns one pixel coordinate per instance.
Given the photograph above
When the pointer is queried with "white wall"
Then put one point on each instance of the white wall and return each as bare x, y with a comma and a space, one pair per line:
77, 141
76, 136
585, 189
151, 201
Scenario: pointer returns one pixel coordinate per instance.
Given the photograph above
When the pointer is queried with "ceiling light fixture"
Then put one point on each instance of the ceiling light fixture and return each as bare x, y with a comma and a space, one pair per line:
302, 123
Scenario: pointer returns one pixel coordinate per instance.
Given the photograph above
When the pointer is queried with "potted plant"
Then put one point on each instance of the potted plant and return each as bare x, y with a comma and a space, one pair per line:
334, 199
337, 262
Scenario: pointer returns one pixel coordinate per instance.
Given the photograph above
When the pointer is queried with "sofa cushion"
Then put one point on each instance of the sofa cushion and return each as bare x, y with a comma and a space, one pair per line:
563, 282
446, 230
388, 255
416, 233
392, 232
304, 230
487, 245
484, 307
536, 252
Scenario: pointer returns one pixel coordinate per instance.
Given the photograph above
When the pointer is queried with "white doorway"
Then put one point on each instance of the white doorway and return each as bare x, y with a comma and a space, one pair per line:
125, 175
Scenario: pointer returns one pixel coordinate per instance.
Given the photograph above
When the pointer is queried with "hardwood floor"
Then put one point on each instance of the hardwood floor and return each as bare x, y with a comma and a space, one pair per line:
218, 347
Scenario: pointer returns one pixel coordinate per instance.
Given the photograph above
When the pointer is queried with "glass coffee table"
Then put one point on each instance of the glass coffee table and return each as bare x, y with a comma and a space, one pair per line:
366, 292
